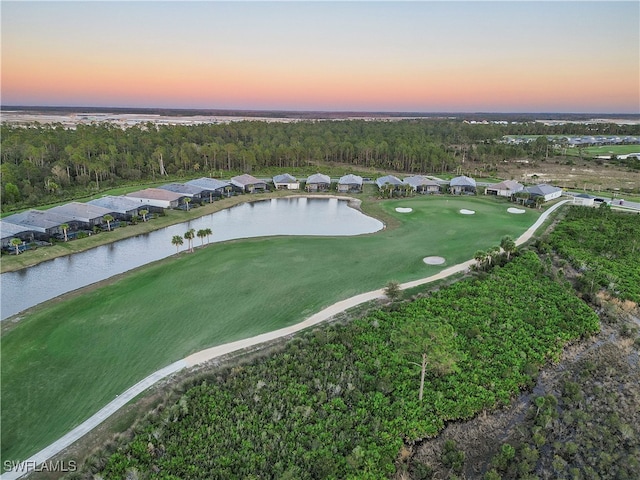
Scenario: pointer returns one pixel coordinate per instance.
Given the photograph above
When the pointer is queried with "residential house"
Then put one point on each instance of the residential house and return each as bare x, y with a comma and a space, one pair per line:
318, 183
83, 215
547, 192
462, 184
43, 223
191, 191
157, 197
286, 182
584, 199
122, 208
422, 184
350, 183
248, 184
9, 231
211, 187
504, 189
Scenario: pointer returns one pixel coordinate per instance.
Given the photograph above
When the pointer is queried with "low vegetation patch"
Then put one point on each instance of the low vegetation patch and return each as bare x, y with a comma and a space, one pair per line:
604, 246
343, 401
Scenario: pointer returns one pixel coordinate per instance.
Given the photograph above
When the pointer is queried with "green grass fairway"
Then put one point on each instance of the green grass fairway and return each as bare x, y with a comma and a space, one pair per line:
68, 359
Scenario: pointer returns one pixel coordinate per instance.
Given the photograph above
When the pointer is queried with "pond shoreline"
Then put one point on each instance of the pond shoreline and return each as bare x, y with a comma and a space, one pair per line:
10, 263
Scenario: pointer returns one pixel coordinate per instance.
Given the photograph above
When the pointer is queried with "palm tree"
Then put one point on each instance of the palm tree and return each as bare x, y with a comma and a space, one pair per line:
108, 218
508, 245
187, 200
16, 242
144, 214
189, 235
201, 234
65, 227
491, 253
177, 241
208, 232
539, 201
480, 256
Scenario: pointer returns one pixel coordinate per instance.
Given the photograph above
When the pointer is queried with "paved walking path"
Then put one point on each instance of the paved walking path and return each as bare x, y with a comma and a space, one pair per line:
220, 350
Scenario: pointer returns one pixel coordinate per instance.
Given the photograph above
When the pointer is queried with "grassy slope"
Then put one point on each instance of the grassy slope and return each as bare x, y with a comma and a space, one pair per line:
65, 361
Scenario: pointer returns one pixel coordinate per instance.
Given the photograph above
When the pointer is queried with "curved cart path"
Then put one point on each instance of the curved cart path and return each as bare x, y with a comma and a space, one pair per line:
215, 352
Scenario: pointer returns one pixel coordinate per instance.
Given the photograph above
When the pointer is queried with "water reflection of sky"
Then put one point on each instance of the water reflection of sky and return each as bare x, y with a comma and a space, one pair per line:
294, 216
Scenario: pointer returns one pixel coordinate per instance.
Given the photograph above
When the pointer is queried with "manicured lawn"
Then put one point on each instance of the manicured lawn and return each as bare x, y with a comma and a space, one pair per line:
68, 359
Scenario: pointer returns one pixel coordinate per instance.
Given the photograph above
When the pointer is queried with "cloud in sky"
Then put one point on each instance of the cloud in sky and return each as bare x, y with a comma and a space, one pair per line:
377, 56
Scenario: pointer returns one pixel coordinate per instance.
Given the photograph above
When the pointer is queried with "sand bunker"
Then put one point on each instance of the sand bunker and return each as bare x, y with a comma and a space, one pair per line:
433, 260
404, 210
515, 210
467, 212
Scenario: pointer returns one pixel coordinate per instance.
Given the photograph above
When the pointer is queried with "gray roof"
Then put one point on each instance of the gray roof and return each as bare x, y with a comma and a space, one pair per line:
462, 181
156, 194
390, 179
319, 178
116, 204
37, 220
244, 180
584, 195
188, 190
542, 189
82, 212
350, 180
9, 230
506, 185
208, 183
284, 178
420, 180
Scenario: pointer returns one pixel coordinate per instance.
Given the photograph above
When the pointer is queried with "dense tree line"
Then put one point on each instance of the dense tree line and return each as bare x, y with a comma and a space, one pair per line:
341, 401
46, 163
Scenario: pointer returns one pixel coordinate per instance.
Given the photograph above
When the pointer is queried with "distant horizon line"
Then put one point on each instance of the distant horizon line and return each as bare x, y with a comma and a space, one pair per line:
255, 111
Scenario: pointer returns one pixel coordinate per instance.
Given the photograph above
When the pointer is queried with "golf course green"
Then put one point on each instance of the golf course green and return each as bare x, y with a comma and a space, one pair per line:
70, 357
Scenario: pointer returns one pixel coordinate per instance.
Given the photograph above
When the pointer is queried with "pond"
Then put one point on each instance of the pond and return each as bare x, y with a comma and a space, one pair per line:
284, 216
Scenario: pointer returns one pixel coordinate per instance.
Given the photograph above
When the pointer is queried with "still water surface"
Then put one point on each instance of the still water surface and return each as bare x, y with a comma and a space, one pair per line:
293, 216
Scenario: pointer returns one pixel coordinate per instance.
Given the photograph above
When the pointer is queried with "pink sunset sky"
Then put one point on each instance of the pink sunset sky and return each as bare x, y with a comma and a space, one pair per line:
418, 56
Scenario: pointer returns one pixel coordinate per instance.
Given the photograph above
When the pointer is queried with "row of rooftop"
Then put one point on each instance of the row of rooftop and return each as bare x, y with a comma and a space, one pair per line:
584, 140
43, 225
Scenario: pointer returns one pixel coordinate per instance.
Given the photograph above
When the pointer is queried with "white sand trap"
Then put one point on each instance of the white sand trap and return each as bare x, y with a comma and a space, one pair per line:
464, 211
404, 209
433, 260
515, 210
